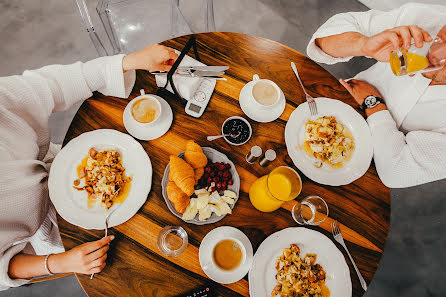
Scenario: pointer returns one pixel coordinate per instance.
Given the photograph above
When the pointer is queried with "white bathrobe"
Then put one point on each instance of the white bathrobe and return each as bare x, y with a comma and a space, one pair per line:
410, 138
27, 219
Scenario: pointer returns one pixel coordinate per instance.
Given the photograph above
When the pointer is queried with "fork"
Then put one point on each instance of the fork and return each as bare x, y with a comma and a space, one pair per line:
310, 100
338, 237
107, 216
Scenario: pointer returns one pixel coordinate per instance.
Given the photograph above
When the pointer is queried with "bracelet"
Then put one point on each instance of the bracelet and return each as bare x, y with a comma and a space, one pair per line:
45, 264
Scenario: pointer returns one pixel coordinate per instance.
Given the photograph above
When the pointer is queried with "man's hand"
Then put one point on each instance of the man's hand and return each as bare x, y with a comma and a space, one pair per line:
382, 44
155, 57
86, 258
359, 90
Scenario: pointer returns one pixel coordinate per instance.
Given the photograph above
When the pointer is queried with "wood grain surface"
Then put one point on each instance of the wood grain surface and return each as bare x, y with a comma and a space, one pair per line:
136, 267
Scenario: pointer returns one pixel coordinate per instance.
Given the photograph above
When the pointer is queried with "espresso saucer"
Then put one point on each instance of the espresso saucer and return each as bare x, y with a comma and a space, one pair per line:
149, 132
206, 258
256, 113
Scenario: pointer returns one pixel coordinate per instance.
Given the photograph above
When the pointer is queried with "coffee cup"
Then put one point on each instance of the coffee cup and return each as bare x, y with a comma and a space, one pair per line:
228, 254
265, 94
145, 110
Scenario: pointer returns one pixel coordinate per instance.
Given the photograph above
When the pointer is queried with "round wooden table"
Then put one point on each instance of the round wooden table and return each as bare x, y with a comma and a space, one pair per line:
135, 266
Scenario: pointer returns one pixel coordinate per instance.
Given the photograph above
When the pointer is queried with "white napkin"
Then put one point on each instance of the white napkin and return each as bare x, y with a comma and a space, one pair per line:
186, 86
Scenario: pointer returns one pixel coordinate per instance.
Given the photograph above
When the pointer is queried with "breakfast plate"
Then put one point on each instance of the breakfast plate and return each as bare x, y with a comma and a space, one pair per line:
72, 204
361, 157
205, 255
148, 132
258, 114
214, 156
262, 278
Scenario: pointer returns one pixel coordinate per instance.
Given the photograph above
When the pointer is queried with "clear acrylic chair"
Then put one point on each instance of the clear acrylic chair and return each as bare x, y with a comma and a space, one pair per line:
133, 24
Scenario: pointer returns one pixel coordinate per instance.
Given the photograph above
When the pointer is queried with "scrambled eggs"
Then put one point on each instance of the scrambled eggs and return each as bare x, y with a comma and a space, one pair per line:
328, 141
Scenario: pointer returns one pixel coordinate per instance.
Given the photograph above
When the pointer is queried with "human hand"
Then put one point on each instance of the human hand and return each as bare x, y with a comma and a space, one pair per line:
86, 258
155, 57
359, 90
382, 44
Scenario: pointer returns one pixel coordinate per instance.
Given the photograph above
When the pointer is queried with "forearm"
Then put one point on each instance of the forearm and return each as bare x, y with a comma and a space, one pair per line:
24, 266
342, 45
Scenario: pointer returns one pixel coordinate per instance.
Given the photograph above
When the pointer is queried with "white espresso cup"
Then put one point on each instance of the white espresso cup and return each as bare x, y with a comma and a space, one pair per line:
138, 114
265, 94
242, 249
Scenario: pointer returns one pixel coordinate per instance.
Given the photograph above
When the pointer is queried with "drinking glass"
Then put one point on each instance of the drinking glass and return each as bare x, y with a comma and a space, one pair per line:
172, 241
313, 210
430, 57
270, 191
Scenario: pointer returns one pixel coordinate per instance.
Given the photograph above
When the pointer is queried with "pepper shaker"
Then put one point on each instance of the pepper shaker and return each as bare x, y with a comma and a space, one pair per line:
268, 157
254, 154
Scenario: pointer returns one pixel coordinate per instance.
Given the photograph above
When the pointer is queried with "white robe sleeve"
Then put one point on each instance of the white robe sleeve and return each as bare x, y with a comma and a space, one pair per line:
367, 23
406, 160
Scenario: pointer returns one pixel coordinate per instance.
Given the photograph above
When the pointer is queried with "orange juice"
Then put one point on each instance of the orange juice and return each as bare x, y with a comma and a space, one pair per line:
412, 62
269, 192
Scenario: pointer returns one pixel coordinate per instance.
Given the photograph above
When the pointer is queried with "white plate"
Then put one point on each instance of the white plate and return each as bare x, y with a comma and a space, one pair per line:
262, 275
71, 204
258, 114
347, 116
154, 131
214, 156
207, 247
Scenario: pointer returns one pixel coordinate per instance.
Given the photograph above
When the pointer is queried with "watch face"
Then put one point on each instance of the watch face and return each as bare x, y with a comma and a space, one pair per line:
370, 101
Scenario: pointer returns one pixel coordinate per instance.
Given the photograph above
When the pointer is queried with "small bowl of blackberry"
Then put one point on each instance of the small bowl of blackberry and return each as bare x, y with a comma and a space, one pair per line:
238, 129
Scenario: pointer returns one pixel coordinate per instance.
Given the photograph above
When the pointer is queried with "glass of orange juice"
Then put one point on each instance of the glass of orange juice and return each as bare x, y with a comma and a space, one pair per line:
430, 57
269, 192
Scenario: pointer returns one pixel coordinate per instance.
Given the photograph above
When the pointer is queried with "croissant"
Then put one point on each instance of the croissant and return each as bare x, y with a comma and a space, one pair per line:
179, 198
194, 155
182, 174
198, 174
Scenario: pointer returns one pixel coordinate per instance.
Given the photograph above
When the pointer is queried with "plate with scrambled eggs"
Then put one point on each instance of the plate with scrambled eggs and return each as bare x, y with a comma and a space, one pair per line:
333, 148
299, 262
98, 172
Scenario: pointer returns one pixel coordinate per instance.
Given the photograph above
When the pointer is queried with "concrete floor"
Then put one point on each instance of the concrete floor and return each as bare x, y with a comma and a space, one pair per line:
37, 33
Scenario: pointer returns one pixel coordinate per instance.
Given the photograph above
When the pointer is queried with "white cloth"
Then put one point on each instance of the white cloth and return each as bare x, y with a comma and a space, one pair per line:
410, 138
186, 86
26, 103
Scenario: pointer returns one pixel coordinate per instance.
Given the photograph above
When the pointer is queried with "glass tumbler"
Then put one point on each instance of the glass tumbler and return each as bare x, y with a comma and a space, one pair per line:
172, 241
430, 57
313, 210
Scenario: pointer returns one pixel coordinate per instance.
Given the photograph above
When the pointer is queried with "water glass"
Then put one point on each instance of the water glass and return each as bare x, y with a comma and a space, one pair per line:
172, 241
313, 210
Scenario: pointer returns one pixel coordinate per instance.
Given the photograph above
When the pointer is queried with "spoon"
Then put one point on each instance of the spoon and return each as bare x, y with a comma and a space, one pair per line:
211, 138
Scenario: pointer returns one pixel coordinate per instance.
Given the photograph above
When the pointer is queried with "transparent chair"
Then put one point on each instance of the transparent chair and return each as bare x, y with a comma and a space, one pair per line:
133, 24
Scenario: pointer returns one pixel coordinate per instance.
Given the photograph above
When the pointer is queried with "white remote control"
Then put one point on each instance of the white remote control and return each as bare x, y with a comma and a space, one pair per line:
197, 104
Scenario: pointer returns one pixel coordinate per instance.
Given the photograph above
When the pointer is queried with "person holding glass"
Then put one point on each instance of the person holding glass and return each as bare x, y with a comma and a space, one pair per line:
406, 113
30, 244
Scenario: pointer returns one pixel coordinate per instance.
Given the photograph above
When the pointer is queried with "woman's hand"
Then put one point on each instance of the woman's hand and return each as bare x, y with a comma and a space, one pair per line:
86, 258
382, 44
359, 90
155, 57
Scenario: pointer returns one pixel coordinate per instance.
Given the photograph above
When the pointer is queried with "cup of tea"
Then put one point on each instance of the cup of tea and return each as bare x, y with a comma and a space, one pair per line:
145, 109
228, 254
265, 93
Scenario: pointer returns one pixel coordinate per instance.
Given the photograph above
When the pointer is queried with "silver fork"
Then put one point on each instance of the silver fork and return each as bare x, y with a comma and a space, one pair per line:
107, 216
338, 237
310, 100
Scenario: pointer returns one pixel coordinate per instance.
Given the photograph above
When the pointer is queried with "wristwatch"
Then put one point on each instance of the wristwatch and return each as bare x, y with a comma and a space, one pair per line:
371, 101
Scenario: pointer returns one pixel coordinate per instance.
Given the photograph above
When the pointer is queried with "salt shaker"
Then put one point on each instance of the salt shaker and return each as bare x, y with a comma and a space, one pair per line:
254, 154
268, 157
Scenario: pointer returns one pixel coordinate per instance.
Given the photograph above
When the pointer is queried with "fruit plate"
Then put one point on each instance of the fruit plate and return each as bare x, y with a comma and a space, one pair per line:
213, 156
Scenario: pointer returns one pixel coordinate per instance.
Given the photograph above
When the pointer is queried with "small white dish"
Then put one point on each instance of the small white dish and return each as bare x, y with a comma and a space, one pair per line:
236, 118
154, 129
256, 111
207, 248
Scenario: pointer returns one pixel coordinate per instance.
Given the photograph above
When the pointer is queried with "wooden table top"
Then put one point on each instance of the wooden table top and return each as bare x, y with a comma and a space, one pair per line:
135, 266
